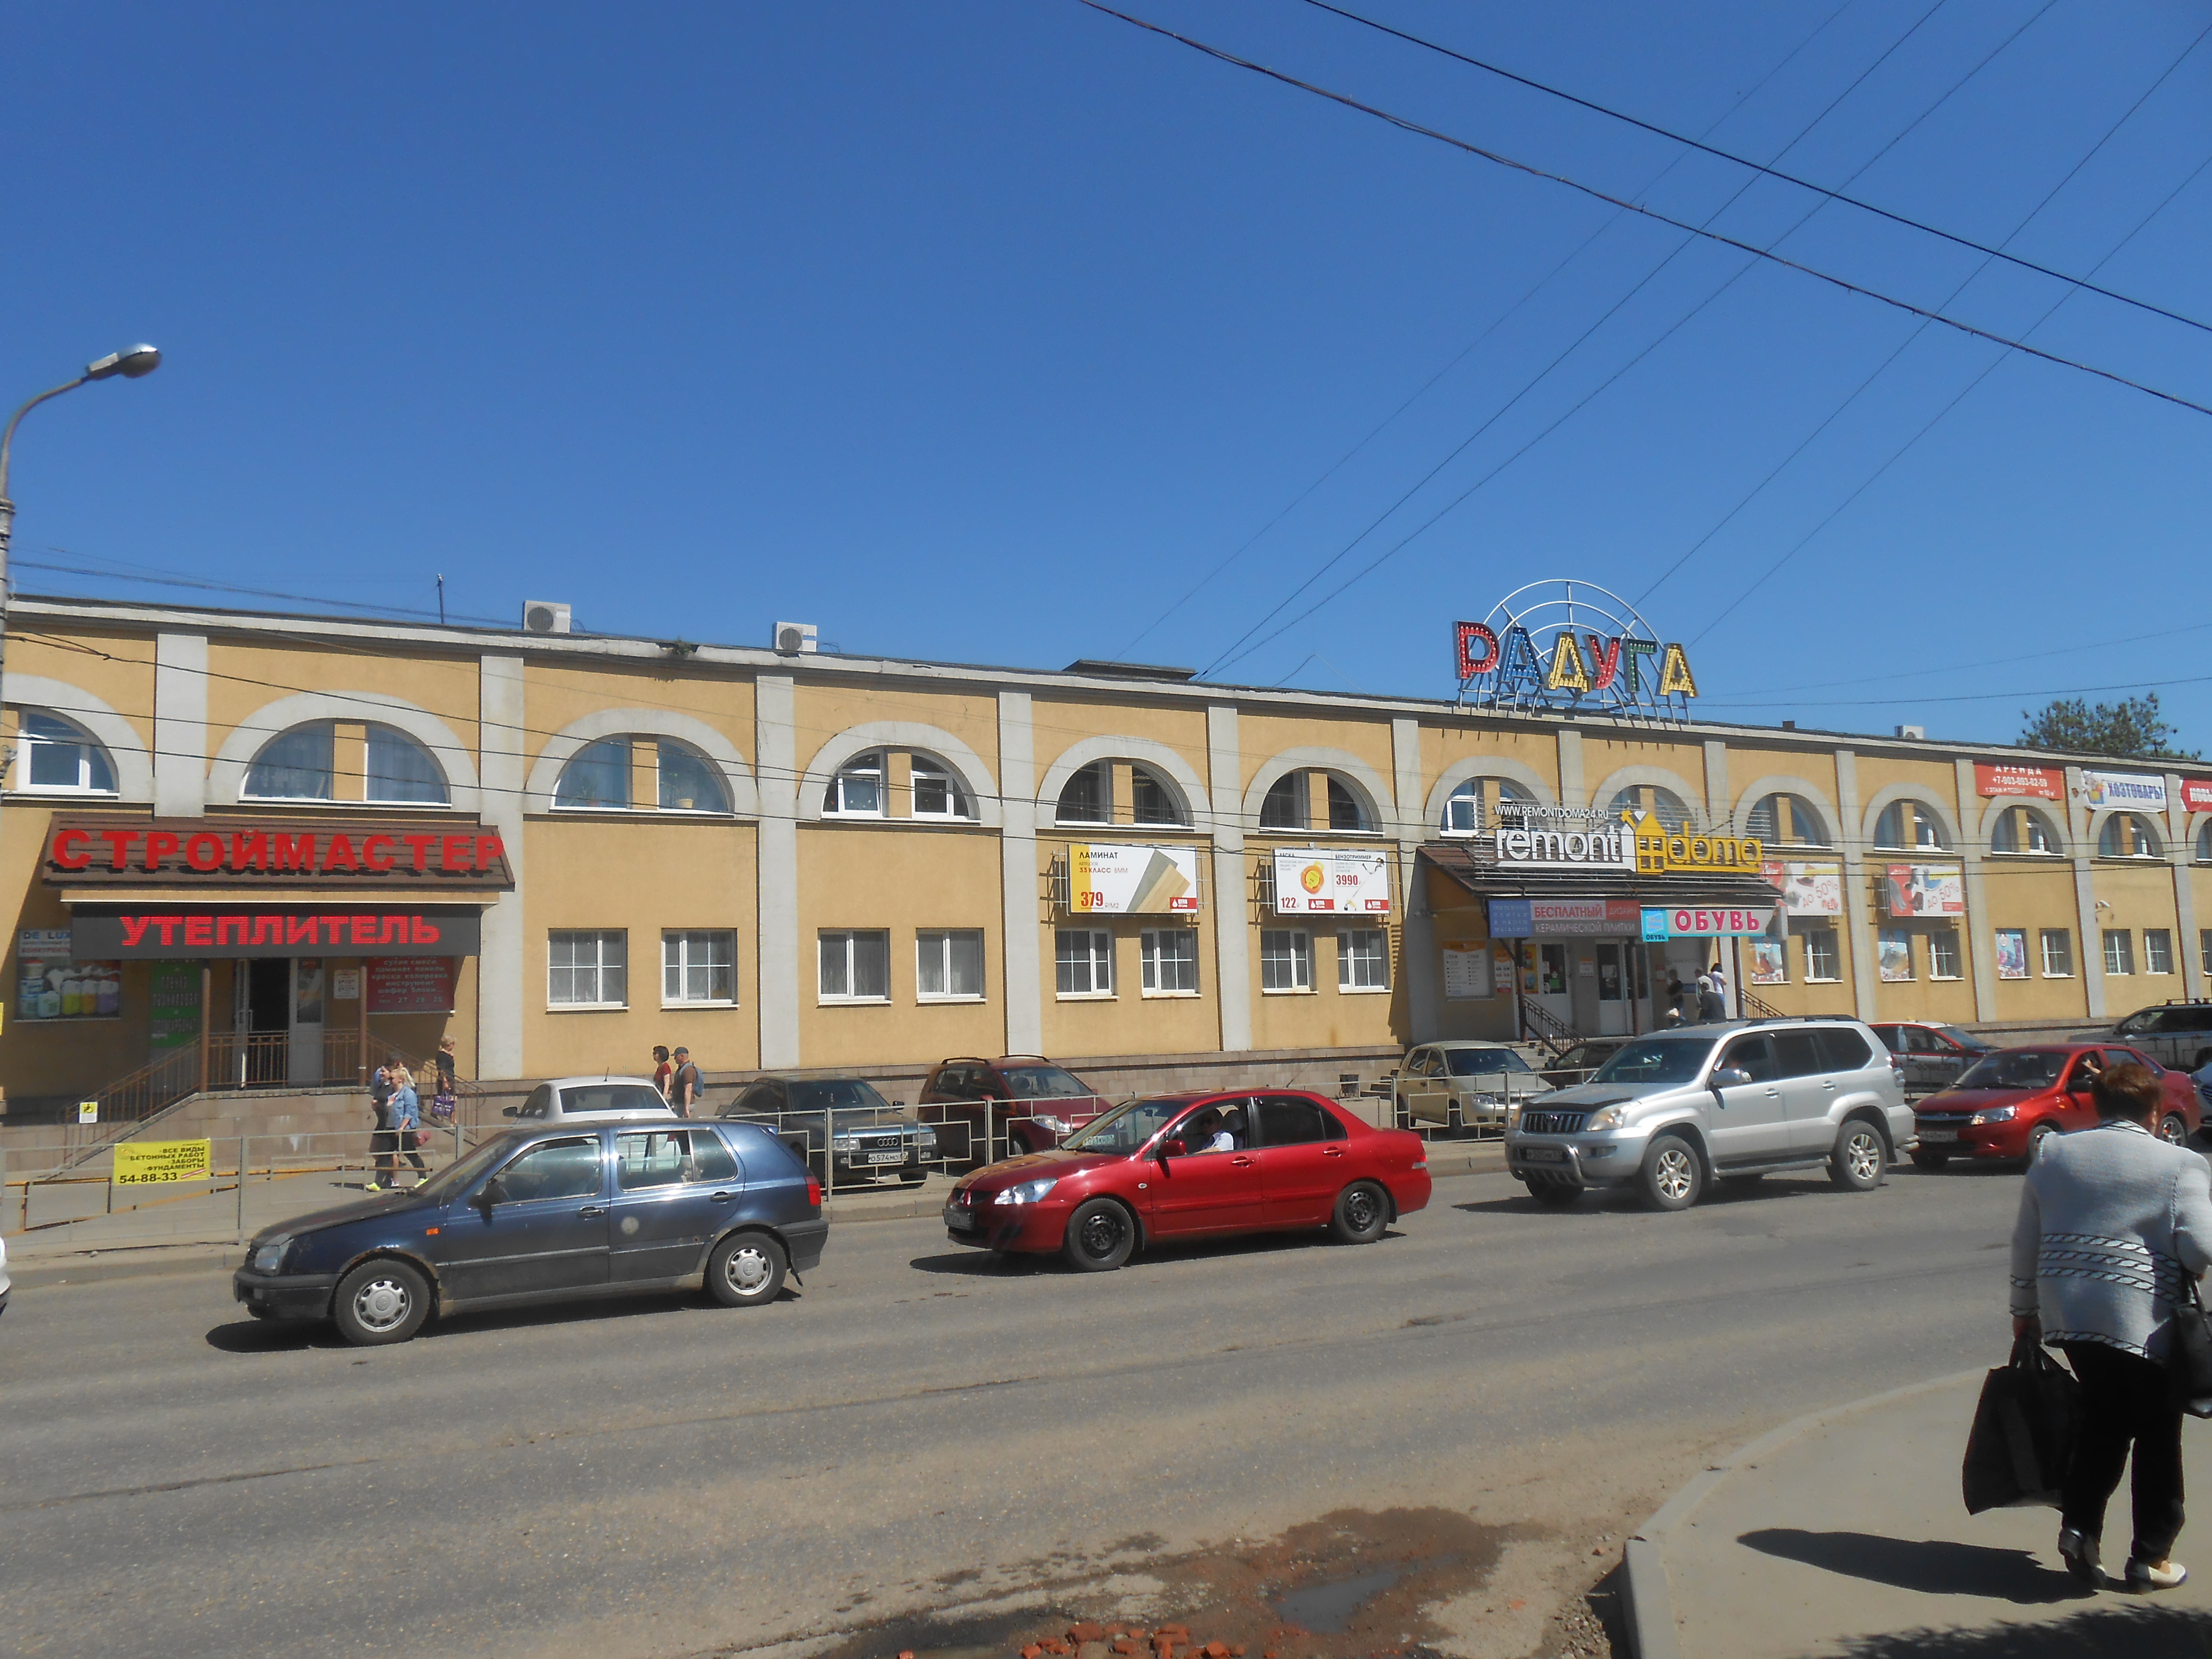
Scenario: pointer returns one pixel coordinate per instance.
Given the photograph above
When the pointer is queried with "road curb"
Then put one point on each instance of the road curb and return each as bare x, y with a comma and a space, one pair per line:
1651, 1633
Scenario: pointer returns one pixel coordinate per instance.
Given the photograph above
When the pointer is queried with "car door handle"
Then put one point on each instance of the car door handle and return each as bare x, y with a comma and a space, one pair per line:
593, 1209
1240, 1162
1331, 1151
720, 1197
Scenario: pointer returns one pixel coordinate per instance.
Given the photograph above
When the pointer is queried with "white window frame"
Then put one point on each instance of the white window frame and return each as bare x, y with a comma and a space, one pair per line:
2124, 826
682, 965
83, 741
2064, 937
1101, 774
850, 939
2158, 951
937, 942
1936, 968
959, 807
2119, 962
245, 791
833, 802
2204, 949
1149, 950
1834, 953
1098, 950
600, 969
1300, 962
1345, 960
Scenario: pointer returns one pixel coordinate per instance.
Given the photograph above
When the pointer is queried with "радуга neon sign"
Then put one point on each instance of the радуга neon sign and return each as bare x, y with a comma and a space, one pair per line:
1570, 645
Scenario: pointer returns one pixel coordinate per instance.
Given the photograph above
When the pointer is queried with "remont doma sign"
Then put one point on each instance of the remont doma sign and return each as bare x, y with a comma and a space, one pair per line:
1593, 846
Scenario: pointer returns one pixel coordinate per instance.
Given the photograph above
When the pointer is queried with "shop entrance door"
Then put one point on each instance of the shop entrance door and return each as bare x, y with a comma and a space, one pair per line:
1615, 961
264, 1015
306, 1021
1553, 991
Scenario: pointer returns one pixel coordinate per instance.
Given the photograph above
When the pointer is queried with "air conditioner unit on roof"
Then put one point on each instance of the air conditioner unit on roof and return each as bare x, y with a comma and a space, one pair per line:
793, 638
544, 616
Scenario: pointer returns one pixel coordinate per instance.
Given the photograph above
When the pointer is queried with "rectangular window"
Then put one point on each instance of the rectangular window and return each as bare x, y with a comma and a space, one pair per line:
1821, 959
1943, 953
1363, 959
1286, 959
2058, 953
856, 965
1170, 956
948, 964
2204, 950
2158, 951
2119, 951
587, 969
698, 970
1083, 962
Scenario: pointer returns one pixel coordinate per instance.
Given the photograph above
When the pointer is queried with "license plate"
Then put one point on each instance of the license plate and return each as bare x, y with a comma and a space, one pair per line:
1543, 1155
886, 1158
961, 1221
1939, 1134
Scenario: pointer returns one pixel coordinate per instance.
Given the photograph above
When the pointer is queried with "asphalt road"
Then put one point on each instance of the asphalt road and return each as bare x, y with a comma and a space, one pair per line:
924, 1426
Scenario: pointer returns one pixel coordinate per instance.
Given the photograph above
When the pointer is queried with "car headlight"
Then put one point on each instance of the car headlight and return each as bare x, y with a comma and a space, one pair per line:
269, 1253
1995, 1115
1513, 1115
1606, 1117
1058, 1126
1027, 1192
925, 1143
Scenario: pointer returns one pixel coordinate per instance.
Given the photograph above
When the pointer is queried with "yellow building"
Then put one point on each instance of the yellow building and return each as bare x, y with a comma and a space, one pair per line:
287, 834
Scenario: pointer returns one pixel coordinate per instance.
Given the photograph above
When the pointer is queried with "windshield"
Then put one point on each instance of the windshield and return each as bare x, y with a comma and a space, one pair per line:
1042, 1082
1965, 1040
2016, 1068
1656, 1059
1474, 1062
609, 1098
1125, 1128
458, 1177
843, 1093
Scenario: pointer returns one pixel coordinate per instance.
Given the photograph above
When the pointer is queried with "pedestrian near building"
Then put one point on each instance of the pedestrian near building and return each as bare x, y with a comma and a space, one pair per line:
685, 1086
447, 1098
384, 1140
662, 1071
406, 1126
2113, 1223
1711, 1003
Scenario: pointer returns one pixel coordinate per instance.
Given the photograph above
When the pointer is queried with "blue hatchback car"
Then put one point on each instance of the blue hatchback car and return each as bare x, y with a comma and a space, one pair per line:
548, 1213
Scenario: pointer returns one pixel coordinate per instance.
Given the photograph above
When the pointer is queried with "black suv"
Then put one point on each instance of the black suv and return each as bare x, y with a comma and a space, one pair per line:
545, 1214
2175, 1034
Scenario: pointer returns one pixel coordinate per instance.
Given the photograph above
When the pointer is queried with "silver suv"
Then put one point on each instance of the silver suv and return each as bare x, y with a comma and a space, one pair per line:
1676, 1109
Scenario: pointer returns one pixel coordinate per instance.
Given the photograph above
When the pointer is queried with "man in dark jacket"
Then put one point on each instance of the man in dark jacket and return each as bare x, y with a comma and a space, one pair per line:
686, 1088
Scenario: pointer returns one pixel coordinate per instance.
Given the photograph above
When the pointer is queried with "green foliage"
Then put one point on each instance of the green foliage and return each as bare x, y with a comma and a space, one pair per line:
2132, 728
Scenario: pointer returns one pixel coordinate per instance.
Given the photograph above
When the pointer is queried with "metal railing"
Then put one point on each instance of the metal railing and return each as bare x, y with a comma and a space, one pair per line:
868, 1148
1541, 1025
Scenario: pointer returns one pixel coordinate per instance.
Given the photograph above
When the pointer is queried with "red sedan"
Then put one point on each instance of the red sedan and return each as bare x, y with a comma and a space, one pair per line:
2008, 1103
1191, 1166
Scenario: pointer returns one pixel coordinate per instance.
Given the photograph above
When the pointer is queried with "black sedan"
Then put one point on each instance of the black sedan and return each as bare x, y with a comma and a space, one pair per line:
867, 1136
545, 1214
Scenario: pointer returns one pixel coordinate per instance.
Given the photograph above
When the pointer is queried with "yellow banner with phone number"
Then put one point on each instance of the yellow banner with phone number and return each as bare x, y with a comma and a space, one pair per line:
150, 1163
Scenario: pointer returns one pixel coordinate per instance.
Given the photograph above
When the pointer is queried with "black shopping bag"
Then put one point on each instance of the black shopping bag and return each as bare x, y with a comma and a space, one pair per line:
2023, 1434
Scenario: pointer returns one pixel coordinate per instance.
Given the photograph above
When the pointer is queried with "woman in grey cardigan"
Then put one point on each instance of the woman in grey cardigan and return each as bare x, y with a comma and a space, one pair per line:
2110, 1219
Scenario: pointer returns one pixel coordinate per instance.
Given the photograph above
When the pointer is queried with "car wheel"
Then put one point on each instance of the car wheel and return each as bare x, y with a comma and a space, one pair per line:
746, 1270
1860, 1157
1101, 1235
913, 1177
1556, 1193
1930, 1160
2174, 1128
1673, 1178
1363, 1214
381, 1302
2036, 1136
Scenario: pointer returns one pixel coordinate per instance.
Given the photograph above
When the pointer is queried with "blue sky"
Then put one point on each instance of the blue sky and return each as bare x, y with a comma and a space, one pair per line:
983, 331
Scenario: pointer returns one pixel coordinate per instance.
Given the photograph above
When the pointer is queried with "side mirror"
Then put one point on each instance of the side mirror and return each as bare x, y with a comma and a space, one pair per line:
510, 1111
492, 1192
1727, 1076
899, 1103
1172, 1149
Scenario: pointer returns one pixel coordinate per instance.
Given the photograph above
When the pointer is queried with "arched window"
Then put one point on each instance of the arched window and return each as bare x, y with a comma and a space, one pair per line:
1288, 804
1786, 821
2204, 844
57, 756
1643, 798
857, 791
598, 777
1088, 796
2128, 836
1478, 801
306, 764
2025, 832
1908, 826
937, 791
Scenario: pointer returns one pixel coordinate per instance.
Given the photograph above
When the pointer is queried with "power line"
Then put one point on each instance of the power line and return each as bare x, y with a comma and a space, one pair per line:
1920, 328
1407, 124
1997, 252
1461, 356
1232, 654
206, 584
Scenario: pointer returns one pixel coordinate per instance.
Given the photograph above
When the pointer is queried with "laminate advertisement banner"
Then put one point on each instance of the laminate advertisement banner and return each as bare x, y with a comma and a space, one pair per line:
1110, 878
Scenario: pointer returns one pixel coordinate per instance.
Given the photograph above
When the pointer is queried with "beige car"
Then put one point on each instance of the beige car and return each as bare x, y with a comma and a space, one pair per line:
1463, 1084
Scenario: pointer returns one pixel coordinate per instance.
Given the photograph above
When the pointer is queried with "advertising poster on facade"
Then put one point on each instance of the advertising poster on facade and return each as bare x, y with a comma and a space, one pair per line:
2196, 795
2037, 782
1809, 889
2012, 953
1467, 975
1896, 955
1769, 965
410, 985
1564, 918
175, 999
1330, 882
51, 984
2145, 791
1924, 889
1110, 878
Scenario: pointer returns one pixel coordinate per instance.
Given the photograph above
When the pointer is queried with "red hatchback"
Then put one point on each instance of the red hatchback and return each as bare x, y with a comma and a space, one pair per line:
1190, 1166
2008, 1103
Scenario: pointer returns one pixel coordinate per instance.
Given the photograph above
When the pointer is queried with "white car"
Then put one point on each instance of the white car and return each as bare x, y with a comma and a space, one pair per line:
590, 1100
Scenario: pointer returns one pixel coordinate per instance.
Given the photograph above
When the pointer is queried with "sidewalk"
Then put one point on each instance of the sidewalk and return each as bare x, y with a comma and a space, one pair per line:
1843, 1534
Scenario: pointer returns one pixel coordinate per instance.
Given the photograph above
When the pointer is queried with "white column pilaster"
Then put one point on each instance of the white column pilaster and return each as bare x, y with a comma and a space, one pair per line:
503, 969
776, 746
180, 708
1858, 921
1232, 935
1981, 937
1017, 870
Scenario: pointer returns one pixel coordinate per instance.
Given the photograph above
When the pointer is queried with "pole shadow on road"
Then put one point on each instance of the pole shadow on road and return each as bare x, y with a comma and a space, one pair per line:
1726, 1192
971, 1263
1933, 1566
252, 1336
2108, 1631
